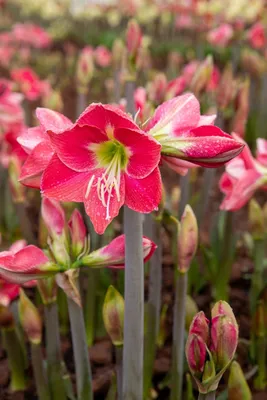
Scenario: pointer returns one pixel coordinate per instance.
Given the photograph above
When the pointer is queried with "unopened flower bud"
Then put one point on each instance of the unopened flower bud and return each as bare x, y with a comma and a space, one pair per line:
53, 216
253, 62
17, 189
224, 339
237, 385
242, 109
223, 308
227, 88
200, 326
202, 76
196, 354
187, 239
30, 319
113, 315
85, 69
156, 89
77, 233
256, 220
118, 52
133, 38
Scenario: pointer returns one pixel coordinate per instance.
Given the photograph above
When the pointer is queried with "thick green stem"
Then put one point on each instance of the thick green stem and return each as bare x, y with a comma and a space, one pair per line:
81, 103
39, 372
179, 336
152, 230
119, 351
80, 350
133, 349
15, 359
257, 281
185, 192
207, 396
90, 305
53, 352
260, 380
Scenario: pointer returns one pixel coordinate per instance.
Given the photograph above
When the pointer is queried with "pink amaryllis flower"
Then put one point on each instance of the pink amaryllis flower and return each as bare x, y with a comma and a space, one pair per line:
243, 176
11, 112
188, 137
256, 36
31, 34
104, 160
36, 142
30, 84
220, 36
102, 56
23, 263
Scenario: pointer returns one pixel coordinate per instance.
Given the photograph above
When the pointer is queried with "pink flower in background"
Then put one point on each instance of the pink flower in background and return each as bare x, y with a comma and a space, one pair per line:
11, 112
186, 136
30, 84
36, 142
102, 56
100, 161
214, 80
256, 36
32, 35
184, 21
243, 176
189, 71
220, 36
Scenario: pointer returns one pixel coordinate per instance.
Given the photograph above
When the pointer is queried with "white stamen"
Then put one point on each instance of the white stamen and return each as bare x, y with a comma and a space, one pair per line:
89, 186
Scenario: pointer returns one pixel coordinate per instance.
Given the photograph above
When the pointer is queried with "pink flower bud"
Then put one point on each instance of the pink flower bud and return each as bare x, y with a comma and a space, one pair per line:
30, 319
200, 326
202, 76
113, 315
133, 37
53, 216
196, 353
224, 339
85, 68
77, 232
223, 308
187, 239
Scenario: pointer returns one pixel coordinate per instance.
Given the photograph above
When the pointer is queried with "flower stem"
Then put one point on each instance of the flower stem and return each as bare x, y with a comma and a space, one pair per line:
39, 372
15, 359
90, 305
54, 370
152, 230
179, 336
133, 349
81, 357
207, 396
81, 103
257, 278
119, 351
185, 192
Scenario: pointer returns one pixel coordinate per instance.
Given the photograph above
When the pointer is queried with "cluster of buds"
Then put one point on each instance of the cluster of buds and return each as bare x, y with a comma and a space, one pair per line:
210, 347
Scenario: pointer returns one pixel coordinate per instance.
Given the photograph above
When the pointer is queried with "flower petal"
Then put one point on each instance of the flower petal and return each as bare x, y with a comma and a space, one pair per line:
96, 210
178, 165
73, 146
31, 137
143, 195
62, 183
139, 165
53, 120
105, 115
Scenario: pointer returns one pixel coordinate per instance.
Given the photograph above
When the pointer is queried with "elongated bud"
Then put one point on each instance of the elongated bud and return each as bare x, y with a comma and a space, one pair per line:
85, 69
156, 89
196, 354
113, 315
187, 239
237, 385
242, 108
77, 233
30, 319
133, 38
191, 310
53, 216
256, 220
253, 62
223, 308
202, 75
17, 189
200, 326
118, 52
224, 339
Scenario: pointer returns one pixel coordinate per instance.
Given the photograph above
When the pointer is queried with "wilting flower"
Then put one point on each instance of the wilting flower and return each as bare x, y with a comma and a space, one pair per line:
188, 137
30, 84
256, 36
100, 161
210, 349
221, 36
243, 176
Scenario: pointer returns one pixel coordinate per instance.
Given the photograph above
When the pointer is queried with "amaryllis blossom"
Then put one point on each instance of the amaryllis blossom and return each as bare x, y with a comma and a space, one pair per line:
30, 84
102, 56
220, 36
256, 36
36, 143
243, 176
188, 137
100, 161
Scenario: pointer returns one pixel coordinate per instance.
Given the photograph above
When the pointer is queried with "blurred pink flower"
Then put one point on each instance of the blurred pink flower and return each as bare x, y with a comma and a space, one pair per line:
256, 36
220, 36
11, 112
30, 84
31, 34
102, 56
243, 176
